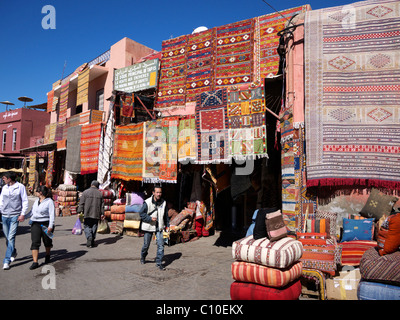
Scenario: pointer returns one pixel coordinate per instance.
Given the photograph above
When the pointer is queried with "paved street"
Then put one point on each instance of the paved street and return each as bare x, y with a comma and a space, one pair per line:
194, 270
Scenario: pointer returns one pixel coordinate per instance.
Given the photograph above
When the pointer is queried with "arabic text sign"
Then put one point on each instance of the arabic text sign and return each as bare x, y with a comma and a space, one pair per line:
137, 77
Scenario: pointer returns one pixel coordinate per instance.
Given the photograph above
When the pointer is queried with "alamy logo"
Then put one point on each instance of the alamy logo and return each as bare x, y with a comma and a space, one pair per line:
49, 280
49, 20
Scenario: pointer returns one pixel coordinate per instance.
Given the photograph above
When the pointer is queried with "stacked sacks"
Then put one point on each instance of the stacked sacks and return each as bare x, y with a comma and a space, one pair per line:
133, 205
108, 198
67, 199
379, 267
267, 265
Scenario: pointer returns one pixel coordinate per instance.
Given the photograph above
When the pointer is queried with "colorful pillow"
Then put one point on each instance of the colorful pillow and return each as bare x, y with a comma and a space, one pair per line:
353, 251
251, 291
276, 254
332, 216
357, 229
275, 226
313, 239
266, 276
392, 240
378, 204
319, 226
322, 258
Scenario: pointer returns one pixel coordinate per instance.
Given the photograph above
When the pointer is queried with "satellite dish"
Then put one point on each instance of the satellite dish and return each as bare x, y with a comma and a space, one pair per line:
199, 29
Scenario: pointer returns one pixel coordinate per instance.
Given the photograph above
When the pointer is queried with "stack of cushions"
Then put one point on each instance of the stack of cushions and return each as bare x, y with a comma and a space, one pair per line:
380, 266
67, 199
320, 249
133, 205
108, 197
269, 267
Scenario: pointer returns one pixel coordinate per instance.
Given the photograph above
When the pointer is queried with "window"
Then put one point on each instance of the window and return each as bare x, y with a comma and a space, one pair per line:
14, 140
4, 140
100, 100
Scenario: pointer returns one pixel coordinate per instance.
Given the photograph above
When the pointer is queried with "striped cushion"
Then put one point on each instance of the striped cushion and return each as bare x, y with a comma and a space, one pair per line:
251, 291
278, 254
375, 267
272, 277
352, 251
320, 258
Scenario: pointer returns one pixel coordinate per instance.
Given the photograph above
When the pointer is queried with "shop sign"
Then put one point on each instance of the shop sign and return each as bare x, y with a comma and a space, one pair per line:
139, 76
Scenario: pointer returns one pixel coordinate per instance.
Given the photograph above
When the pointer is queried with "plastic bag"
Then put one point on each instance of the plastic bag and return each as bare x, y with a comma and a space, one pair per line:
103, 227
77, 229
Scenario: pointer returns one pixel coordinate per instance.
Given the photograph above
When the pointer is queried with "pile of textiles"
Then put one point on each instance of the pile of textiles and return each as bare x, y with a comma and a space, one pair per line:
267, 263
133, 203
67, 199
379, 266
108, 198
320, 248
182, 224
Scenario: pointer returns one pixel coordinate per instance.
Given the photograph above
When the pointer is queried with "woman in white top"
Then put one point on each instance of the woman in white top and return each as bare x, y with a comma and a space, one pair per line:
43, 213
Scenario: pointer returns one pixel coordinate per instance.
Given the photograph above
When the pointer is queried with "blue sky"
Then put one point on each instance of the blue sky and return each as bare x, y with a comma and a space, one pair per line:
32, 58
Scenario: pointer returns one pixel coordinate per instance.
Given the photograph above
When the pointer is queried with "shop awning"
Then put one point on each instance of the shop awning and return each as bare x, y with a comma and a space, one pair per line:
43, 147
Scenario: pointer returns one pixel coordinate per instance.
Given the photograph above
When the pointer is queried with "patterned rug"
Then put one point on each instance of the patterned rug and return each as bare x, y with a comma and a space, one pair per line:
72, 158
172, 83
247, 127
234, 54
212, 127
200, 63
32, 169
169, 152
127, 162
187, 139
62, 118
352, 95
50, 98
90, 146
83, 87
152, 151
266, 41
50, 168
127, 101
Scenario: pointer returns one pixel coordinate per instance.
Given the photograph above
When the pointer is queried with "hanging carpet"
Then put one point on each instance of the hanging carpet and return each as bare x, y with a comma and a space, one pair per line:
62, 117
73, 153
90, 146
187, 139
152, 151
169, 152
352, 95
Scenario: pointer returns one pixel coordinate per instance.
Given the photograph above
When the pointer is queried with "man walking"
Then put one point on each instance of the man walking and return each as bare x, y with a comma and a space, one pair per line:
91, 203
13, 207
154, 217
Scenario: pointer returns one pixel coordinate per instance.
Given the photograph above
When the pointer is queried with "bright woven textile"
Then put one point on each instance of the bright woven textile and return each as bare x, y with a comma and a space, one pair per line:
169, 153
127, 163
32, 169
187, 139
352, 251
73, 160
83, 87
90, 145
152, 151
352, 94
266, 41
266, 276
50, 98
172, 83
200, 63
234, 54
212, 127
247, 127
276, 254
62, 118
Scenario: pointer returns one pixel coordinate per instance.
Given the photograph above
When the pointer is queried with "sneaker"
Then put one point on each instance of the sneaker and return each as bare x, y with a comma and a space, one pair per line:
34, 265
6, 266
13, 256
160, 266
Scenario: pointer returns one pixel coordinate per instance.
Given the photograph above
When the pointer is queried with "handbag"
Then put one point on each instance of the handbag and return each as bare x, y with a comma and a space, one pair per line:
103, 227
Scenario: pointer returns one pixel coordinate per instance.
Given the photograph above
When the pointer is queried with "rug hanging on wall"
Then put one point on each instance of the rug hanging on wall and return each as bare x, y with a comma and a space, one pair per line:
83, 87
200, 63
72, 158
169, 152
247, 126
187, 139
234, 54
266, 41
172, 83
212, 127
152, 151
90, 146
352, 94
127, 162
50, 97
62, 118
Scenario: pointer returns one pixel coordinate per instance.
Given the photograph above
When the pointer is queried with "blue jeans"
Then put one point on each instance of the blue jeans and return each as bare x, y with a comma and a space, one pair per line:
10, 226
160, 245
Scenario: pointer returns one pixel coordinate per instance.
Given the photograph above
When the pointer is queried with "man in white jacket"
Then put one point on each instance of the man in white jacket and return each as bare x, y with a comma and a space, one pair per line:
154, 217
13, 207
